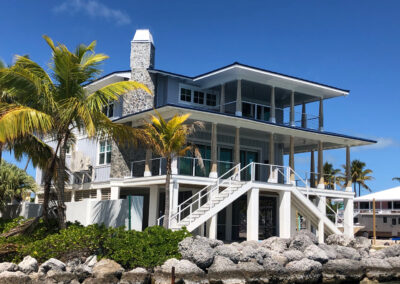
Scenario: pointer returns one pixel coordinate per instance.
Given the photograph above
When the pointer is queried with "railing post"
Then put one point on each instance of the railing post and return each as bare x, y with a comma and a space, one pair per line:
132, 169
253, 173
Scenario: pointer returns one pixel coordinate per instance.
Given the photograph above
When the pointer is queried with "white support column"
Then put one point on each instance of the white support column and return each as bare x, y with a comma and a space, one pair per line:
98, 194
322, 209
214, 166
154, 193
174, 196
303, 116
273, 174
291, 159
348, 217
174, 166
285, 214
222, 99
212, 222
236, 153
321, 181
36, 198
114, 194
292, 122
239, 98
147, 163
228, 223
321, 115
312, 169
272, 115
72, 195
252, 214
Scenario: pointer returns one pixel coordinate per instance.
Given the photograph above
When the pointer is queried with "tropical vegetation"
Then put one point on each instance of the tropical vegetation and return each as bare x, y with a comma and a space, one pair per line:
332, 176
36, 104
15, 184
168, 139
131, 249
359, 176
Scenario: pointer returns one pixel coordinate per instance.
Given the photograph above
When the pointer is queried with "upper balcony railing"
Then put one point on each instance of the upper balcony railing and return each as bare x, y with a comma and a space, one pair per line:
262, 112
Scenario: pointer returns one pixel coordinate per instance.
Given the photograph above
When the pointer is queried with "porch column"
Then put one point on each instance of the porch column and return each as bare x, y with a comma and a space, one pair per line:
147, 163
312, 169
239, 98
348, 217
154, 193
271, 155
72, 195
214, 166
212, 222
174, 196
98, 194
322, 208
291, 159
252, 214
236, 154
303, 116
284, 214
174, 166
321, 115
321, 182
222, 99
272, 117
114, 192
228, 223
292, 122
348, 170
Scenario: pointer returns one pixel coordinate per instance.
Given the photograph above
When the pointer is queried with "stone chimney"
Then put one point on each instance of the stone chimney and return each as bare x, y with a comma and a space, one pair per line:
142, 58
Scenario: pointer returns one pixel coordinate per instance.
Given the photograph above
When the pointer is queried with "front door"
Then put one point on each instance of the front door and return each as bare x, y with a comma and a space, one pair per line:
247, 157
267, 217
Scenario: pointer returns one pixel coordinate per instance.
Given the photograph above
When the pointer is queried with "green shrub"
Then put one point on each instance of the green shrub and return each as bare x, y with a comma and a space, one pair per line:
149, 248
6, 225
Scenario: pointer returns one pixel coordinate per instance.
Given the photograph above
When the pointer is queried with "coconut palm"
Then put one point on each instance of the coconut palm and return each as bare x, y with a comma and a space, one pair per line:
168, 139
396, 178
56, 105
359, 176
15, 183
331, 176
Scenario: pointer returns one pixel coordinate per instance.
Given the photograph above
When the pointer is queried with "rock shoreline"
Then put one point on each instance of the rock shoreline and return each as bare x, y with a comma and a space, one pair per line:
300, 259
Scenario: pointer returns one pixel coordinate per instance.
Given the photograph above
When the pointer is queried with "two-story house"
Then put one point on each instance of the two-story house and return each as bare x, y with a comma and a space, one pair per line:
253, 119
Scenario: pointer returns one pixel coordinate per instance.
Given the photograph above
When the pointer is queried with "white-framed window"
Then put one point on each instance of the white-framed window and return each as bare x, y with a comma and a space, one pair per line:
192, 95
108, 110
105, 152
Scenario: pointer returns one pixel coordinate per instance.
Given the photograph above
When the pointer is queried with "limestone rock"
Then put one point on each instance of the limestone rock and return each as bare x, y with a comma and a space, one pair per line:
253, 244
10, 277
107, 267
8, 266
60, 276
378, 269
229, 251
136, 276
252, 272
276, 244
185, 271
313, 252
329, 250
250, 253
52, 264
225, 270
293, 255
342, 270
28, 265
280, 258
391, 251
301, 242
198, 250
273, 270
338, 239
304, 271
309, 234
104, 279
360, 243
91, 261
346, 252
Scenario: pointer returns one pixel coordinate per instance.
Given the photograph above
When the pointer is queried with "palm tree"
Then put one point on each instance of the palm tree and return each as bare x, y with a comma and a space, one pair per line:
57, 105
168, 139
15, 183
331, 176
359, 176
396, 178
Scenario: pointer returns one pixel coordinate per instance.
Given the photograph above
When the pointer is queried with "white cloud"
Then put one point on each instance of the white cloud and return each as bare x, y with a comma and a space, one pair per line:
95, 10
382, 143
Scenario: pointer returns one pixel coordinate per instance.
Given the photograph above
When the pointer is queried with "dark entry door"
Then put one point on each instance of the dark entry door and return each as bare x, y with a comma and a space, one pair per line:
247, 157
267, 217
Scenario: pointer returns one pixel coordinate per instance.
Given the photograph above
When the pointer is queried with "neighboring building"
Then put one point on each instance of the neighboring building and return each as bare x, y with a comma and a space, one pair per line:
387, 212
252, 120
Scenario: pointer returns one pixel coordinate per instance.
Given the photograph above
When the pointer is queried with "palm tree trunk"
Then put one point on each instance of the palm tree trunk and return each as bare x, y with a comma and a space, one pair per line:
27, 164
359, 189
167, 186
61, 183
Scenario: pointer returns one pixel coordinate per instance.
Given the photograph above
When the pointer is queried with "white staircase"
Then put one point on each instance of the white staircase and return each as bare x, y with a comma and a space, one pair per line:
205, 204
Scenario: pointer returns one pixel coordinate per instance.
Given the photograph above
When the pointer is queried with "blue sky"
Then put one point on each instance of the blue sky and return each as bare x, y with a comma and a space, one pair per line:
349, 44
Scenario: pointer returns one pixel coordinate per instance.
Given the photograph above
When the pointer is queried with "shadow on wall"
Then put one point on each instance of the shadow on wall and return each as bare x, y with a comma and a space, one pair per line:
113, 213
24, 209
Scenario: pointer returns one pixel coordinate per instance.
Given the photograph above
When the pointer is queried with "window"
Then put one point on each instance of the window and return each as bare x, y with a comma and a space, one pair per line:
211, 100
186, 95
198, 97
385, 220
108, 110
105, 152
393, 221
